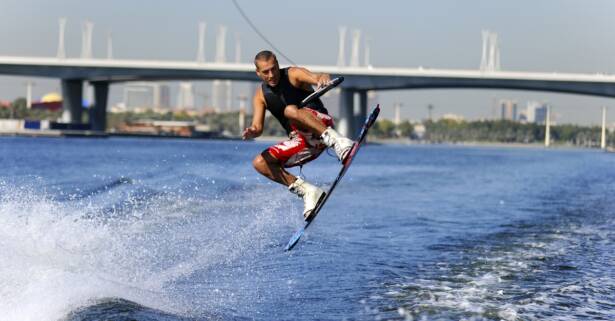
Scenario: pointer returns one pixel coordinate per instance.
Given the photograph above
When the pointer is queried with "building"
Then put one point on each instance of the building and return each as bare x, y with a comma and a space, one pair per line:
535, 112
529, 114
419, 131
453, 117
51, 102
147, 95
137, 97
541, 114
164, 97
165, 128
158, 128
185, 97
508, 110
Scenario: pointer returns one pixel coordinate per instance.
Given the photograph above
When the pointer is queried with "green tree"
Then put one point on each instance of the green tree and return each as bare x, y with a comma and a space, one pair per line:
383, 129
405, 128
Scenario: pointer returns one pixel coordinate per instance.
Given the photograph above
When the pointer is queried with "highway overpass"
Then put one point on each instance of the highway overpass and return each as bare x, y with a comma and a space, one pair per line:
102, 72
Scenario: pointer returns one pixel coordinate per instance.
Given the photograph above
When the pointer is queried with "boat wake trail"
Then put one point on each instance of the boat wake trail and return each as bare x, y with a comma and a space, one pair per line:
557, 265
61, 256
78, 194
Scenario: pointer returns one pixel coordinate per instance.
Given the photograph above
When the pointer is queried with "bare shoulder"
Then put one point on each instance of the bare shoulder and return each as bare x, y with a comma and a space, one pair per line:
259, 97
299, 76
258, 92
297, 72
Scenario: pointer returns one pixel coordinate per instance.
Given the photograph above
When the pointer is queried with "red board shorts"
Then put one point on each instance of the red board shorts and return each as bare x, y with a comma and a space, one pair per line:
301, 147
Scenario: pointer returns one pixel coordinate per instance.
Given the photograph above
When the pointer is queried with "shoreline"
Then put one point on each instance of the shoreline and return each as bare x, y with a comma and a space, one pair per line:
273, 139
560, 146
408, 142
55, 133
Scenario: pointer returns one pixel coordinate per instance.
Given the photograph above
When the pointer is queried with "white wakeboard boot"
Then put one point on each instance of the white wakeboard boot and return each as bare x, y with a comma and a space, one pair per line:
340, 144
309, 193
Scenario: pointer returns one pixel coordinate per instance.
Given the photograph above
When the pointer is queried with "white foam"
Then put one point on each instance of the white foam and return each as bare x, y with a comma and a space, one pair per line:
484, 288
53, 260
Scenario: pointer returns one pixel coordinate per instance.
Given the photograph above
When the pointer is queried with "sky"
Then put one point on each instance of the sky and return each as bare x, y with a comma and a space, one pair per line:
546, 35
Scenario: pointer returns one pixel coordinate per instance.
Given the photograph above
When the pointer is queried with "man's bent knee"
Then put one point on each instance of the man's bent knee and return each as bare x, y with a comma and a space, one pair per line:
291, 112
264, 160
258, 163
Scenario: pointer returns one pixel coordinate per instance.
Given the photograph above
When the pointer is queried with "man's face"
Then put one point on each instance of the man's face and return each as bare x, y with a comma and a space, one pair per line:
269, 71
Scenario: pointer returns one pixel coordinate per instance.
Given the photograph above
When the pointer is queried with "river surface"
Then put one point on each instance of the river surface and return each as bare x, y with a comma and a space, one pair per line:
145, 229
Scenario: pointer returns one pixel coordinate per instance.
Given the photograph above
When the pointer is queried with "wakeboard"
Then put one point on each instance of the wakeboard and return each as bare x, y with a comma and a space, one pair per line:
369, 121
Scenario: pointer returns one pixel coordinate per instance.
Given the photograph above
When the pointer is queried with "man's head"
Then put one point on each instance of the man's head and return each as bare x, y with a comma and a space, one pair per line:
267, 67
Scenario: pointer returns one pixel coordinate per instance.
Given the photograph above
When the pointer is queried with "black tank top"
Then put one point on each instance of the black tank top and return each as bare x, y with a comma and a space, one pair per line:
284, 94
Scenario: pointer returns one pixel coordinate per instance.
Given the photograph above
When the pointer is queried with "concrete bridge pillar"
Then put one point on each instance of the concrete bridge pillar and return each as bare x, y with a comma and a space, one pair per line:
362, 112
346, 124
72, 99
98, 114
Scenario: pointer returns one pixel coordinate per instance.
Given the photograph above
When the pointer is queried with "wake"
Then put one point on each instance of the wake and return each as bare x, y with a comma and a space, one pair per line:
60, 255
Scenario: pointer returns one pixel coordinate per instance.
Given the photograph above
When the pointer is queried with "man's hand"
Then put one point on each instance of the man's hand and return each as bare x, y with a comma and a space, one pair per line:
250, 132
323, 80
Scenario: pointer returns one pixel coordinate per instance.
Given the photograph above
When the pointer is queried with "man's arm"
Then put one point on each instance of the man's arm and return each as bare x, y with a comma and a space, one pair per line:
303, 78
258, 118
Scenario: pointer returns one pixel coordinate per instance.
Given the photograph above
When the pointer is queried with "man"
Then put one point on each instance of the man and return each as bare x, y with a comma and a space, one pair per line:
310, 129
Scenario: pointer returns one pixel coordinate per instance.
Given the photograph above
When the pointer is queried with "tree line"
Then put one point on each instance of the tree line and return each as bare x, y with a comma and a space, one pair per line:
500, 131
443, 130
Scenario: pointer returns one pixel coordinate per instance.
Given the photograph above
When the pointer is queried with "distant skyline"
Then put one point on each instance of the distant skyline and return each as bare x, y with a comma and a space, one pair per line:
548, 35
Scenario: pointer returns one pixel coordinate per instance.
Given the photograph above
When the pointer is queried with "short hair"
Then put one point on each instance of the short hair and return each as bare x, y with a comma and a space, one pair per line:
264, 55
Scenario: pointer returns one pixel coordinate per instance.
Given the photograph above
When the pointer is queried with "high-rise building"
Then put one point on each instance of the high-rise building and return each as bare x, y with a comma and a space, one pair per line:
530, 111
541, 114
147, 95
508, 109
136, 97
535, 112
185, 97
164, 94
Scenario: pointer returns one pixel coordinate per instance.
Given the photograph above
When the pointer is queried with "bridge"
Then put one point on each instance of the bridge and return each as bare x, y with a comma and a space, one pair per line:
102, 72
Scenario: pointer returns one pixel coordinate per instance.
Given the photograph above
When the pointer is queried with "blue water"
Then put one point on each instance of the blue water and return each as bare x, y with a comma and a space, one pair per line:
142, 229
